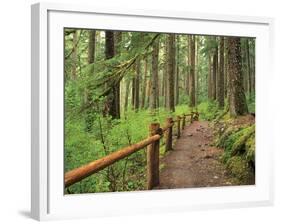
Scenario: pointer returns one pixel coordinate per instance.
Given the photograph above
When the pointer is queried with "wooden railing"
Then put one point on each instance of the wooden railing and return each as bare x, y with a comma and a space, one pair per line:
152, 143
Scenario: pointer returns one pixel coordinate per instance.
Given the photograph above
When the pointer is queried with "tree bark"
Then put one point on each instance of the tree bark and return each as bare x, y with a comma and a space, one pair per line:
154, 80
225, 70
137, 85
112, 98
144, 84
127, 90
249, 83
214, 74
210, 78
197, 70
165, 75
220, 86
171, 71
74, 56
177, 70
88, 90
117, 48
237, 99
192, 72
91, 46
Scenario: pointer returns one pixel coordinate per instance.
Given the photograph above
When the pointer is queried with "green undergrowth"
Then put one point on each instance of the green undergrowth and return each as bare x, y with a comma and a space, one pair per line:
238, 142
107, 136
236, 136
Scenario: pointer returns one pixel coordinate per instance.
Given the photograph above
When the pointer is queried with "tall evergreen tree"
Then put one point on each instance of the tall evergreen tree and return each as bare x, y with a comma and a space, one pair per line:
237, 99
171, 71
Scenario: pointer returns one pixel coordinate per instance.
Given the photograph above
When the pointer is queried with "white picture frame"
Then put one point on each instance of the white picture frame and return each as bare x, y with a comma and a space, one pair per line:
48, 201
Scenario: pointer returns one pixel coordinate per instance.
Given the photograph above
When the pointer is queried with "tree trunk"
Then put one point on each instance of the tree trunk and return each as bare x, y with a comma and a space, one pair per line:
165, 75
192, 72
133, 93
237, 99
88, 90
137, 85
197, 70
220, 86
225, 70
210, 78
112, 98
148, 91
91, 46
177, 70
117, 41
144, 84
74, 56
188, 65
127, 90
171, 71
248, 66
253, 73
154, 79
214, 75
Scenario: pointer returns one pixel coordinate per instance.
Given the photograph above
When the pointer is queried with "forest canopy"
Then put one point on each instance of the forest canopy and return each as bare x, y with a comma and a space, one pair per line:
116, 83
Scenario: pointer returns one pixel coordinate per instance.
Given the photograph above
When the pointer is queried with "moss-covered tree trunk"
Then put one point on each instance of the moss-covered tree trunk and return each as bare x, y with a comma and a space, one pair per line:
237, 99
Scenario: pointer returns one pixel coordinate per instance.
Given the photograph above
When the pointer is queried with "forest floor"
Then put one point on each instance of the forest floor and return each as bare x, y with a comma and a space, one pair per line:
194, 162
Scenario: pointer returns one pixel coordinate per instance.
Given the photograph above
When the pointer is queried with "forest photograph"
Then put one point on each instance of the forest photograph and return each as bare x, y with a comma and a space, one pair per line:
152, 111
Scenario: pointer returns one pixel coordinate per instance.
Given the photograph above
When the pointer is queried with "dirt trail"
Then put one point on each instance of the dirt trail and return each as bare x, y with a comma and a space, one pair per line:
193, 162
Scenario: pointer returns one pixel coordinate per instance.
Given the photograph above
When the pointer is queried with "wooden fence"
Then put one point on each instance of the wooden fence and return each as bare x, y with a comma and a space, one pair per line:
152, 143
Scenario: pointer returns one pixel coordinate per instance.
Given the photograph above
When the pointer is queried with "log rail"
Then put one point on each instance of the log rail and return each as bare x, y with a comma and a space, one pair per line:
152, 143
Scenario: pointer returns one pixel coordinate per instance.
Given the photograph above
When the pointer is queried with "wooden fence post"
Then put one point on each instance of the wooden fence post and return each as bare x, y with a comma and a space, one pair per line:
183, 122
169, 135
179, 126
153, 159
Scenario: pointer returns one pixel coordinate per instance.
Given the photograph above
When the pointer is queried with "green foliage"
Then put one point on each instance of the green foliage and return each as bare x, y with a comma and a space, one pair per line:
240, 168
239, 154
251, 102
208, 110
90, 134
82, 147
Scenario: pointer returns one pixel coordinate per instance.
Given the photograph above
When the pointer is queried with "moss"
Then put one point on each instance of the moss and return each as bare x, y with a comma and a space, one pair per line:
241, 138
238, 141
250, 149
241, 169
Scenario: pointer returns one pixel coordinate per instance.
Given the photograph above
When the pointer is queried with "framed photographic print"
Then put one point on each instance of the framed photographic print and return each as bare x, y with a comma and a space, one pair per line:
148, 111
